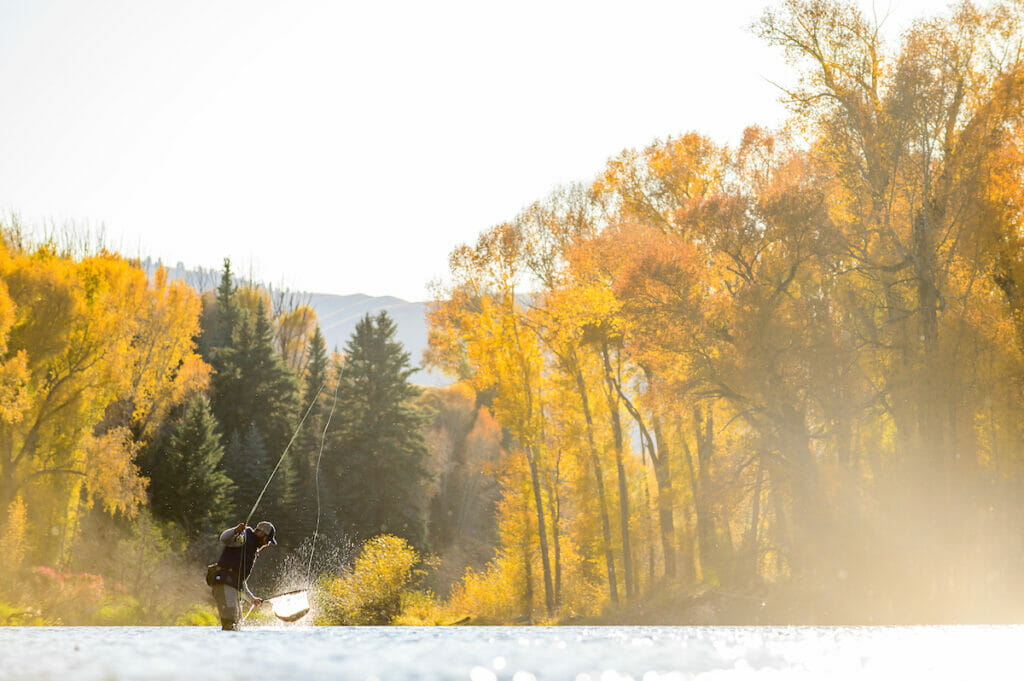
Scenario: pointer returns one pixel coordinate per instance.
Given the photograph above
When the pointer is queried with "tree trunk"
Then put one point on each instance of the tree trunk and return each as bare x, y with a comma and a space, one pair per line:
556, 517
700, 481
666, 500
527, 562
613, 412
660, 464
750, 541
542, 535
648, 533
609, 556
7, 485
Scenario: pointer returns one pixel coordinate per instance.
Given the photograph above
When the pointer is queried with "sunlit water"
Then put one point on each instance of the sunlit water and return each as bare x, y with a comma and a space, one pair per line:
510, 653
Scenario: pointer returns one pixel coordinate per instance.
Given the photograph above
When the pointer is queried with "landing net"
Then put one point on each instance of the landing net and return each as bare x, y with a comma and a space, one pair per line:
291, 606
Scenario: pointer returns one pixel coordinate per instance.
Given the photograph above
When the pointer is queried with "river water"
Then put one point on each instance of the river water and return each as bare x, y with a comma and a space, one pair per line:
509, 653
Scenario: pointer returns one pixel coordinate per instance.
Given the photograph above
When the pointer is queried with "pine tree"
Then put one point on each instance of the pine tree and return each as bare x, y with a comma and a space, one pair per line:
187, 484
219, 317
247, 463
380, 450
256, 404
253, 386
318, 397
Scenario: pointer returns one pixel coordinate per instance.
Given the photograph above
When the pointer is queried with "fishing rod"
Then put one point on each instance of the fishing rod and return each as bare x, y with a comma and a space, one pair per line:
303, 607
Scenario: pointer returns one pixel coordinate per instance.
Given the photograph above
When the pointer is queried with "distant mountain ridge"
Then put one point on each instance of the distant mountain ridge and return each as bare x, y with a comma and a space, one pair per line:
337, 314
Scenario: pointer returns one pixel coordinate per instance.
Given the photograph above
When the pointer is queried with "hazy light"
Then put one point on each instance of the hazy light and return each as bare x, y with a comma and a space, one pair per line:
343, 147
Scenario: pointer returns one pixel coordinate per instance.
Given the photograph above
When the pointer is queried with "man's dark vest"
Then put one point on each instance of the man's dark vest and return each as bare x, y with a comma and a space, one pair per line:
236, 561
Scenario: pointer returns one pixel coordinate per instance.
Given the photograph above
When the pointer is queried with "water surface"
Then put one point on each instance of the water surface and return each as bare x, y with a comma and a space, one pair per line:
509, 653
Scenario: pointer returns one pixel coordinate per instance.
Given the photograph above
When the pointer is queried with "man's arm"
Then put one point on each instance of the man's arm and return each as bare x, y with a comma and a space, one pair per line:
233, 536
255, 600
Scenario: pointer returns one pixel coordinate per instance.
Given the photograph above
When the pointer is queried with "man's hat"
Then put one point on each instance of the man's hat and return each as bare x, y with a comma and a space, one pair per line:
267, 529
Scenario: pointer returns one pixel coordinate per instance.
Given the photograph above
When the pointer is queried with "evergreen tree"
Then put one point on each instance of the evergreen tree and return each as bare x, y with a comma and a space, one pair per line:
253, 386
187, 484
219, 317
247, 463
380, 450
318, 397
255, 402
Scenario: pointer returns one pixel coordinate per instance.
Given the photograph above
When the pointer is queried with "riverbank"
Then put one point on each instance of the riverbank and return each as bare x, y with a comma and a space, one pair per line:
784, 605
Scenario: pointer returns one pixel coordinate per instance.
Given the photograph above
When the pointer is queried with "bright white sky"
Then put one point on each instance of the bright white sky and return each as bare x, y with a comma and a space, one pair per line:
345, 147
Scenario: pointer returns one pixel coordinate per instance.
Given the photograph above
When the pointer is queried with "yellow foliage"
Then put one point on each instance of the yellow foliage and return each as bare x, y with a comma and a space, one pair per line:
90, 351
422, 609
15, 398
491, 596
198, 616
192, 378
372, 593
251, 299
294, 330
161, 366
111, 474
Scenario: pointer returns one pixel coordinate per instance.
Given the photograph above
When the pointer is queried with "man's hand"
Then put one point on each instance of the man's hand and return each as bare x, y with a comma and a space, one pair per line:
240, 528
256, 601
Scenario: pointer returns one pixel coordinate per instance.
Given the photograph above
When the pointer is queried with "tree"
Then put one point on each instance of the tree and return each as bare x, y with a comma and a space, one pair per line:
220, 314
91, 354
295, 331
319, 398
824, 329
481, 326
379, 450
187, 483
255, 403
248, 465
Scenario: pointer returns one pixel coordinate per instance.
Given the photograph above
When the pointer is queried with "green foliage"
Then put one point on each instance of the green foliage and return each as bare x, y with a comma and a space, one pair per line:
253, 386
187, 484
318, 396
11, 615
219, 315
248, 465
144, 561
255, 402
198, 616
373, 592
379, 450
118, 611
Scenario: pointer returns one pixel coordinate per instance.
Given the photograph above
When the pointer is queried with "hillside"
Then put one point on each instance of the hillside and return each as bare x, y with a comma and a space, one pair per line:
338, 316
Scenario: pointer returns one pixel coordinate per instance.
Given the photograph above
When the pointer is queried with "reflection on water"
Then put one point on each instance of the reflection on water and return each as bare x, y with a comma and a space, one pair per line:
509, 653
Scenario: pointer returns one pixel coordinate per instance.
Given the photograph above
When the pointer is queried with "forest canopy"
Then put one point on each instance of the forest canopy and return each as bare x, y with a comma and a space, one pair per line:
796, 360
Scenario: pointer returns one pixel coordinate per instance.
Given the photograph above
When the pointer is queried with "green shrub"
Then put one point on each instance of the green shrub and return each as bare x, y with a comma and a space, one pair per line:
119, 610
15, 616
197, 616
372, 592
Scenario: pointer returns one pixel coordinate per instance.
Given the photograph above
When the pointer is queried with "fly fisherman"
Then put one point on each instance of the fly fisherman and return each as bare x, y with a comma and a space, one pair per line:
241, 543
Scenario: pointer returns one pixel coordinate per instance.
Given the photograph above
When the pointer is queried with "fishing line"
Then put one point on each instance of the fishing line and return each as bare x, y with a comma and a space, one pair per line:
285, 452
316, 478
323, 440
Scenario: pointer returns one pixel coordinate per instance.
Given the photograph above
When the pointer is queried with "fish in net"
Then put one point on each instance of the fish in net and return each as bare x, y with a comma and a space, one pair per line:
290, 606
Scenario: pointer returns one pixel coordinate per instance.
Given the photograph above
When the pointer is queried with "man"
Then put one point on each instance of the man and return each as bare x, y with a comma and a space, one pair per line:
241, 544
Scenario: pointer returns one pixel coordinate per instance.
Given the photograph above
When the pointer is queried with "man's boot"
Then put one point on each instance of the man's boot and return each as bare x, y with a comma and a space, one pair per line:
228, 625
